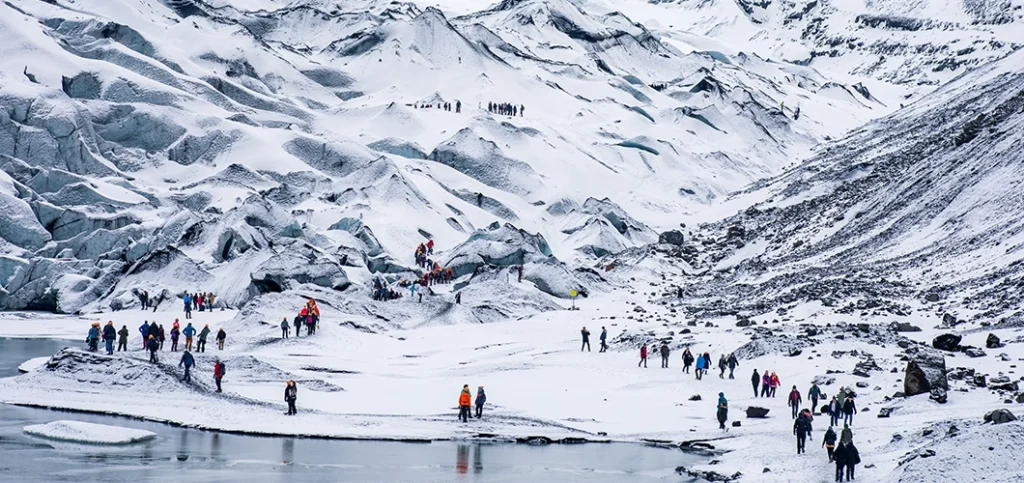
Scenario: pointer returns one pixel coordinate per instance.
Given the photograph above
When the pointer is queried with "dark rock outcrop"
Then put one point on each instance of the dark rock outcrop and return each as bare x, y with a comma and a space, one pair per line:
946, 342
925, 371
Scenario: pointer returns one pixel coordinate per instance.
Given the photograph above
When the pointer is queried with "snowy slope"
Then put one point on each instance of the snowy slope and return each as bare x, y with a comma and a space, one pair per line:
212, 146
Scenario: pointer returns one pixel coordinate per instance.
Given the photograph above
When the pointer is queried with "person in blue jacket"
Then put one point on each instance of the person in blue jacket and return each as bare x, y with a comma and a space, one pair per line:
481, 398
188, 306
699, 369
723, 411
109, 336
144, 329
94, 336
188, 361
189, 333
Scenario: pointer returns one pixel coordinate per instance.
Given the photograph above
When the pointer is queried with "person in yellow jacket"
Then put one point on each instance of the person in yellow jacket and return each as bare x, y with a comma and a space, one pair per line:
465, 403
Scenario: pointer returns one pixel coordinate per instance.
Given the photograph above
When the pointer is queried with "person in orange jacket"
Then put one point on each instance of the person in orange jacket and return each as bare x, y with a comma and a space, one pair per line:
465, 403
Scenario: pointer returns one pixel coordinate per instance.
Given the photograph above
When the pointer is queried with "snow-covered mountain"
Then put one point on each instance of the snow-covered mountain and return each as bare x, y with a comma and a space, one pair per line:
194, 145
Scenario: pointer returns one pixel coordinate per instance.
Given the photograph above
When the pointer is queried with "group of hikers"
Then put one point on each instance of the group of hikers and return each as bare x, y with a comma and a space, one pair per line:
769, 384
433, 274
447, 106
309, 316
203, 302
842, 405
466, 403
506, 109
149, 302
153, 337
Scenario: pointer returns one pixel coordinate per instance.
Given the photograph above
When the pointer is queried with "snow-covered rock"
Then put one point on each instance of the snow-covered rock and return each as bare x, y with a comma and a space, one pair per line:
89, 433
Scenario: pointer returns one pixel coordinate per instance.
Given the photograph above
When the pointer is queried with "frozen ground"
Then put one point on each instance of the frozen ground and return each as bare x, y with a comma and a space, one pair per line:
404, 384
89, 433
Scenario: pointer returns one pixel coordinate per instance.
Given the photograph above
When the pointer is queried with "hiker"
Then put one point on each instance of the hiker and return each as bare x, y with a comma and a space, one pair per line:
841, 398
144, 330
829, 442
834, 410
723, 411
464, 403
154, 330
109, 335
175, 334
643, 356
298, 325
722, 365
802, 429
687, 360
291, 393
221, 335
284, 328
700, 366
430, 247
775, 383
846, 458
93, 338
664, 355
159, 300
849, 409
201, 345
733, 364
846, 436
604, 339
188, 306
122, 338
218, 372
188, 361
586, 339
481, 398
189, 332
161, 336
144, 299
458, 297
766, 383
795, 400
852, 460
707, 363
153, 347
815, 393
755, 380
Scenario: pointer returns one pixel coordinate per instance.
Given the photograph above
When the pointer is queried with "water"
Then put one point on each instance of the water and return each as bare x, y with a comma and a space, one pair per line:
179, 454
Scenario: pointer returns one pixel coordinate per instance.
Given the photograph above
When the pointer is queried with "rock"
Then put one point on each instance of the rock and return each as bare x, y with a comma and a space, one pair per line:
927, 453
824, 380
979, 380
795, 352
757, 412
884, 412
992, 342
766, 470
744, 323
1002, 383
695, 397
736, 424
974, 352
862, 384
938, 395
1020, 398
925, 371
903, 327
932, 297
1000, 416
671, 237
948, 320
946, 342
709, 475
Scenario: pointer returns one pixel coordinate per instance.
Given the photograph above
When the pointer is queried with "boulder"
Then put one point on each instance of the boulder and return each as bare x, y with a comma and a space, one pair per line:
671, 237
695, 397
925, 371
736, 424
946, 342
1002, 383
1000, 416
938, 395
993, 342
744, 323
903, 327
757, 412
974, 352
884, 412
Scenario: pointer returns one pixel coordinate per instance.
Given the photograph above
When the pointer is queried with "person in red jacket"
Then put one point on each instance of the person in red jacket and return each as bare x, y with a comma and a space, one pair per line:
794, 401
774, 384
643, 356
218, 372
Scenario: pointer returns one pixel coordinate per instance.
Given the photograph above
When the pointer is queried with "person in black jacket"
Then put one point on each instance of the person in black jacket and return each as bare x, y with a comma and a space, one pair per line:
802, 429
481, 398
846, 458
829, 442
849, 409
122, 338
733, 364
687, 360
756, 381
586, 339
153, 345
109, 335
852, 460
290, 395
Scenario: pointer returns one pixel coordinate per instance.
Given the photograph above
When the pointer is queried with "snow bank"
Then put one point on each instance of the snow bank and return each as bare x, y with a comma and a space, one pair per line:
33, 364
90, 433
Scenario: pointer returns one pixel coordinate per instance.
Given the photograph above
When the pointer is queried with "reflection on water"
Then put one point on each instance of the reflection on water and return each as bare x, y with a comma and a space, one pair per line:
179, 454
